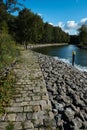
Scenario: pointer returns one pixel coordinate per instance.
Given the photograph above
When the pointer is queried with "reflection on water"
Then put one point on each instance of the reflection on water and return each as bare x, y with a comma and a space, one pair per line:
65, 52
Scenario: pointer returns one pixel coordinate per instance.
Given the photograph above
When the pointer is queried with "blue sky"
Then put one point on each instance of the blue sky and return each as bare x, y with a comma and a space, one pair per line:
68, 14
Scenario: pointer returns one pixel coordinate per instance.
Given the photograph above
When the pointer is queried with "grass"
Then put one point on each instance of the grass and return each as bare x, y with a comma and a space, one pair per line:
23, 127
8, 53
8, 50
10, 126
6, 91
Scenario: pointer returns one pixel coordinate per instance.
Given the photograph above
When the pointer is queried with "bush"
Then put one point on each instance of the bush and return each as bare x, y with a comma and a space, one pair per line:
8, 50
8, 53
6, 91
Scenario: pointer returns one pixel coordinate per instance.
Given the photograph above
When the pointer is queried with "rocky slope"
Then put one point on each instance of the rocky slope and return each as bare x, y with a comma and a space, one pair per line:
67, 88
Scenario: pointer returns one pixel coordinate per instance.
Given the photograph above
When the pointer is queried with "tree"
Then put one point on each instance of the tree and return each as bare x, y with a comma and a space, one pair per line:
12, 26
30, 27
74, 39
48, 33
59, 36
27, 26
11, 5
24, 26
83, 34
3, 13
37, 27
65, 38
6, 8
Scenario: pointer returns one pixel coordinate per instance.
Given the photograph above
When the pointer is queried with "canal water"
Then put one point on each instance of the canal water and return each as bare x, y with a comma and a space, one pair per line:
64, 53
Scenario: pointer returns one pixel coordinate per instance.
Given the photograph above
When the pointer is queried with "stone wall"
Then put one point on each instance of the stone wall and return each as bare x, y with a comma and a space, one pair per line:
67, 89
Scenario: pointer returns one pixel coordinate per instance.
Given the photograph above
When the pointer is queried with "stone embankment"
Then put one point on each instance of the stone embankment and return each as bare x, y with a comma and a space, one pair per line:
45, 45
67, 88
30, 109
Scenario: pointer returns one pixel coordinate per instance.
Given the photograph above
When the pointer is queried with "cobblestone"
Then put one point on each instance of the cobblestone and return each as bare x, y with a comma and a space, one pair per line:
31, 103
11, 117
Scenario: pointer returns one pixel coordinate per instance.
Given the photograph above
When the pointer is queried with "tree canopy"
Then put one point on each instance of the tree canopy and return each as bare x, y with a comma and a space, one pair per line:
28, 27
83, 34
11, 5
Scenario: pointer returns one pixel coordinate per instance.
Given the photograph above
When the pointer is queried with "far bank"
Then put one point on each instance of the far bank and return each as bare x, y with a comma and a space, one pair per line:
31, 46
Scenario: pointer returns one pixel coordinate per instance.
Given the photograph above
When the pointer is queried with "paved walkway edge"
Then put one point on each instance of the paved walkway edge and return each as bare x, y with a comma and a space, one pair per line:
30, 109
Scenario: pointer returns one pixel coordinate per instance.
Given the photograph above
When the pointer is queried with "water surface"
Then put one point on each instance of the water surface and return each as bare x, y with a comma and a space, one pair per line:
65, 53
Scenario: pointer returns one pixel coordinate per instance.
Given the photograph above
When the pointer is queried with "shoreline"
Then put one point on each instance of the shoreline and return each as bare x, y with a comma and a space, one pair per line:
67, 90
45, 45
82, 46
33, 47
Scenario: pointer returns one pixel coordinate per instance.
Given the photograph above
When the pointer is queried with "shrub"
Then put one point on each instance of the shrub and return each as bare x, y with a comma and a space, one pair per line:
8, 49
8, 53
6, 91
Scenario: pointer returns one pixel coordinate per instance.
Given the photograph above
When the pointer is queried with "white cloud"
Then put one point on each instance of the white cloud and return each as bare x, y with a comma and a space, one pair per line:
60, 24
51, 23
39, 14
71, 31
83, 21
71, 27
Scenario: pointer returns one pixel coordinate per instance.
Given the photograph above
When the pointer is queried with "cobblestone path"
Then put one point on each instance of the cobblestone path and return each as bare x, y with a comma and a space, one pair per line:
30, 109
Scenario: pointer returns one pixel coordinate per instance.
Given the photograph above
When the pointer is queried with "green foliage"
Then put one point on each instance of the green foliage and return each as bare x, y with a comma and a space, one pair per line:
28, 27
8, 50
11, 5
74, 39
3, 12
6, 91
23, 127
31, 28
24, 23
10, 126
37, 28
48, 33
83, 35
